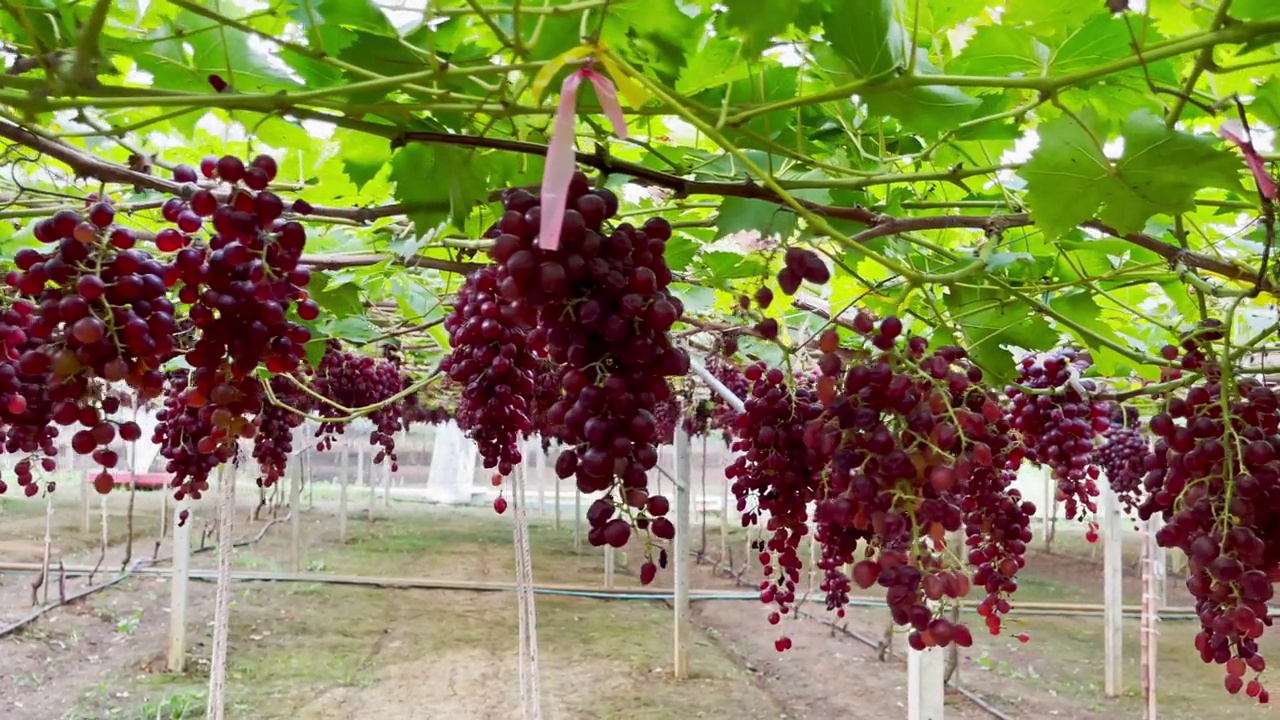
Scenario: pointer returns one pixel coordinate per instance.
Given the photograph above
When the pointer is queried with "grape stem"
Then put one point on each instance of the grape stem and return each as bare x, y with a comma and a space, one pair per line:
351, 413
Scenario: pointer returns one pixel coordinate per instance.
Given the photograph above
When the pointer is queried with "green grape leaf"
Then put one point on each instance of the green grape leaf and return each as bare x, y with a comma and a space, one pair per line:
437, 183
864, 33
730, 266
1153, 172
1000, 50
680, 252
757, 21
363, 156
742, 214
992, 323
1066, 174
341, 299
354, 329
1254, 9
1084, 310
1069, 178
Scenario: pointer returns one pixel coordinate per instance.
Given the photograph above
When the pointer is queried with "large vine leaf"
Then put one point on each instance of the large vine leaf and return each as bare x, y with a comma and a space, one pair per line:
1070, 179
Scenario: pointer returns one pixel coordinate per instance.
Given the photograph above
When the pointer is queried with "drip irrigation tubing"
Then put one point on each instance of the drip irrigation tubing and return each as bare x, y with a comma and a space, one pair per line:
137, 567
552, 590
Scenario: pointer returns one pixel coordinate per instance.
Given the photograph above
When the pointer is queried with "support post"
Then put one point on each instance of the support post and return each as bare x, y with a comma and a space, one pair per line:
216, 708
1159, 563
608, 567
539, 463
577, 520
84, 495
178, 589
364, 477
295, 515
1149, 632
386, 483
556, 475
680, 554
926, 671
1113, 592
344, 470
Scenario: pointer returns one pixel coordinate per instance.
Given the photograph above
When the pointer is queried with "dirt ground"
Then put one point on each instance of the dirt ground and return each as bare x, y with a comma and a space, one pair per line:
330, 652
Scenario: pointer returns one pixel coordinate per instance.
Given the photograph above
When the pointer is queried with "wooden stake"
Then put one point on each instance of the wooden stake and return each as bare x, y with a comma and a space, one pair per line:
925, 690
178, 589
1113, 593
344, 470
608, 567
48, 547
85, 481
295, 517
386, 483
216, 709
365, 472
539, 462
577, 520
1149, 632
683, 478
556, 475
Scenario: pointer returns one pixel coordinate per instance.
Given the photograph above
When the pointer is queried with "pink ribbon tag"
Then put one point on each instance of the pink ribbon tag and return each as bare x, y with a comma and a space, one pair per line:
560, 154
1233, 131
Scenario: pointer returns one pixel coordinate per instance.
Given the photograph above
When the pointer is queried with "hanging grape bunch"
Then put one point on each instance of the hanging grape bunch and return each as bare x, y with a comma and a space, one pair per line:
1212, 476
273, 443
916, 449
1123, 455
1058, 421
184, 432
723, 416
599, 309
492, 364
359, 381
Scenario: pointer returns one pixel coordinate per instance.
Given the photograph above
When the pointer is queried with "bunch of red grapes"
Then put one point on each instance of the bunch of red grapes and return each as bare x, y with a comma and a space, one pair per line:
359, 381
1214, 475
667, 417
1123, 455
723, 416
273, 442
1058, 421
184, 432
497, 373
918, 449
599, 310
775, 476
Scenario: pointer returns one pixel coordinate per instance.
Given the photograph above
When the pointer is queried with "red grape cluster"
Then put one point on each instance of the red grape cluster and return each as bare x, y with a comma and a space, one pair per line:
724, 417
698, 420
667, 415
184, 432
490, 361
546, 393
358, 381
273, 442
778, 469
918, 449
1213, 475
599, 308
1058, 422
800, 265
1123, 455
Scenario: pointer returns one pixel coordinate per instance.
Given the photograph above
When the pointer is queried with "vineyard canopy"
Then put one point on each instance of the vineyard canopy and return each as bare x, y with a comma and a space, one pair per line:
1007, 176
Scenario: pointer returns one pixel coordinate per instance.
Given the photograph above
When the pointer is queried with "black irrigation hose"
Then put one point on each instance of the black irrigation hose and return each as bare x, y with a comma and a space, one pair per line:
129, 572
